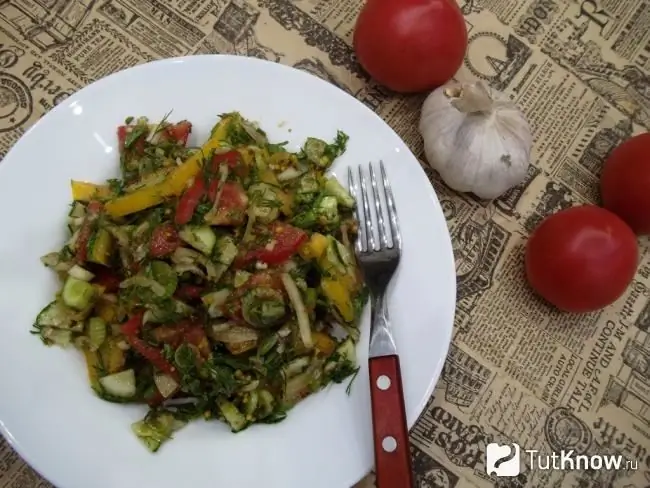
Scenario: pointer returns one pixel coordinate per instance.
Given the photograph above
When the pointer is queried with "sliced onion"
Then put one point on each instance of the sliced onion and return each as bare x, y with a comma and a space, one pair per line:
223, 175
255, 135
215, 300
166, 385
141, 229
235, 334
189, 268
301, 312
144, 282
250, 386
291, 173
119, 234
175, 402
53, 260
80, 273
295, 367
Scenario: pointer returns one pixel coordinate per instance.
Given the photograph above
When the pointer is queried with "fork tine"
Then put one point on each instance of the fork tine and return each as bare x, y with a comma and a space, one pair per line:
378, 207
392, 211
353, 191
369, 242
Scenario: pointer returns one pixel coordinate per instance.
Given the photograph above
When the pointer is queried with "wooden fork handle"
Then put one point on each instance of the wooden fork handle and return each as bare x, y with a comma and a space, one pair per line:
390, 432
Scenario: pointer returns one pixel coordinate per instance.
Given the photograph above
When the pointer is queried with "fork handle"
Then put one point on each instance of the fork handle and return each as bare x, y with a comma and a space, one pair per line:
392, 462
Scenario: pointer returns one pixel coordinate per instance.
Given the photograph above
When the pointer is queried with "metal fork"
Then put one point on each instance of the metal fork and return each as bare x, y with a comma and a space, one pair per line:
378, 262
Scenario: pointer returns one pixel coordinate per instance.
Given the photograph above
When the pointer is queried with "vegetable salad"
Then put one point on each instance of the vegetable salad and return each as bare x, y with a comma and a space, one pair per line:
214, 281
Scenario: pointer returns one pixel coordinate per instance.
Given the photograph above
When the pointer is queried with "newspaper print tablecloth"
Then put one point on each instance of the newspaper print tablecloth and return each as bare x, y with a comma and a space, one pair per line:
517, 370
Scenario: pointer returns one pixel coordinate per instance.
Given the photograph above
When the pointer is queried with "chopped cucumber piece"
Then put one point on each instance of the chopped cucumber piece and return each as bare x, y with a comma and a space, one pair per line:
80, 273
226, 251
55, 314
121, 385
251, 401
314, 149
335, 189
327, 211
100, 247
307, 188
266, 404
263, 307
202, 238
233, 416
96, 332
77, 294
347, 351
156, 428
60, 337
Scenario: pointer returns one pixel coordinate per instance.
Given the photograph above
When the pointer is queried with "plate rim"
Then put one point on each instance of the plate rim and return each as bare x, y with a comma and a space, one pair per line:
451, 286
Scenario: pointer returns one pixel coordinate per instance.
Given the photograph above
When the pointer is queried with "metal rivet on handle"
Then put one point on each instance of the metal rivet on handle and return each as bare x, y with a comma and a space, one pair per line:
383, 382
389, 444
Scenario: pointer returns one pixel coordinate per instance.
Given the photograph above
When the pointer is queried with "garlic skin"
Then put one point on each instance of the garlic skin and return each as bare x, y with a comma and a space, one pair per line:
475, 138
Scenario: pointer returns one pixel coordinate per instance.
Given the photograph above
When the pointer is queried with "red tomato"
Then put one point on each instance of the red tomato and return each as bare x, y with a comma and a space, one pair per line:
410, 45
164, 240
232, 203
283, 242
133, 325
186, 331
231, 158
189, 201
106, 279
137, 146
581, 259
179, 132
188, 293
153, 355
625, 183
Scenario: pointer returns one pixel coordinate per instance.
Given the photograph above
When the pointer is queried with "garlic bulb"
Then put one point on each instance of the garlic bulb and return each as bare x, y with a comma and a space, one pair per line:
475, 138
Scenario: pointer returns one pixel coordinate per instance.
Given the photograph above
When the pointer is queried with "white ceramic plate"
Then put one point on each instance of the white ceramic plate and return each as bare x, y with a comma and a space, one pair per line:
47, 410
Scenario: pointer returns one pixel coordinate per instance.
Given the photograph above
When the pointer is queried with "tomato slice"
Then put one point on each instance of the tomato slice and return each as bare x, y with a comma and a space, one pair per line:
233, 203
283, 242
189, 201
132, 326
153, 355
234, 161
187, 293
137, 147
104, 278
86, 230
186, 331
164, 240
231, 158
179, 132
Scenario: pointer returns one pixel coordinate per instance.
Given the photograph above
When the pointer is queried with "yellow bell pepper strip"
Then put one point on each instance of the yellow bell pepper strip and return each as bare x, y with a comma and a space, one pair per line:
314, 247
83, 191
339, 296
111, 355
92, 365
323, 343
175, 182
106, 311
